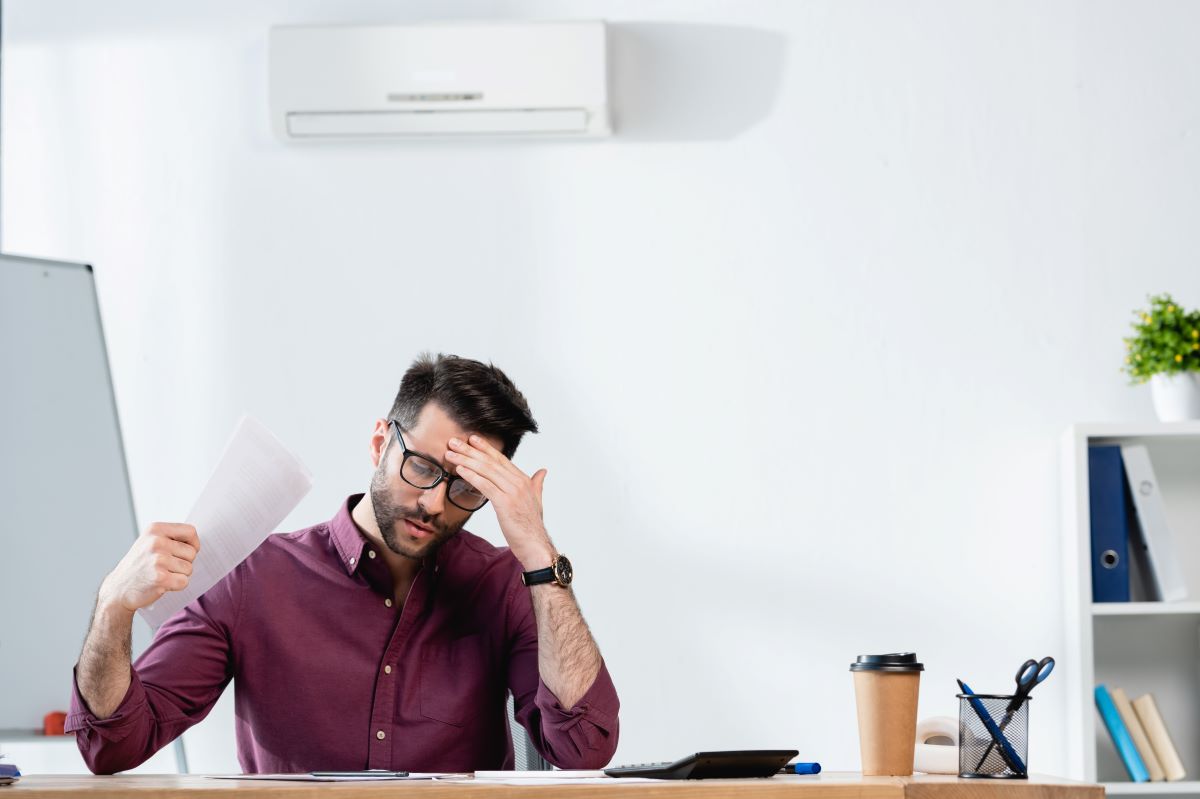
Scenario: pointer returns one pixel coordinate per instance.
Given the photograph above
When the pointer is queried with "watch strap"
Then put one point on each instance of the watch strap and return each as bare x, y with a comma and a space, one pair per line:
538, 576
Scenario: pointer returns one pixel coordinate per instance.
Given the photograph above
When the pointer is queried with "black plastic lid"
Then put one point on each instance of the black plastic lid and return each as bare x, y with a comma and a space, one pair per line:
896, 661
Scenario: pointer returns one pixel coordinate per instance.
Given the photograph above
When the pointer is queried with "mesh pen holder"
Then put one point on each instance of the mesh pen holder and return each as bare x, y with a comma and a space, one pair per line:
974, 740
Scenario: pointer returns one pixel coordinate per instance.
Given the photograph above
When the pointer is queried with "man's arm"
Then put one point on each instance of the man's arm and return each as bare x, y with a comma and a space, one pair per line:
568, 658
123, 713
572, 714
159, 561
582, 734
102, 673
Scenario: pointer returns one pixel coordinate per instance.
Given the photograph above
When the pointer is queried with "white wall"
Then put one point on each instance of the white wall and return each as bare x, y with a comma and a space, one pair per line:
875, 255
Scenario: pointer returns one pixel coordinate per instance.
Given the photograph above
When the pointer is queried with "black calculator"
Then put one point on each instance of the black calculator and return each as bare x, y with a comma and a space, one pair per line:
711, 765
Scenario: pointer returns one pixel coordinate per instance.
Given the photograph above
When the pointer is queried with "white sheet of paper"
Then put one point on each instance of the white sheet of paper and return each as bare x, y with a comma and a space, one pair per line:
557, 774
516, 779
256, 484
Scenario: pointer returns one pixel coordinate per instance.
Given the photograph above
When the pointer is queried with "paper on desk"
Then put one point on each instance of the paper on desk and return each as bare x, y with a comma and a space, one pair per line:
256, 484
556, 777
515, 778
556, 774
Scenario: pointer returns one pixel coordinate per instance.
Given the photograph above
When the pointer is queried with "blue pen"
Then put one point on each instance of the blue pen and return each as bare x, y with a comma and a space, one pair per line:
1031, 673
1006, 751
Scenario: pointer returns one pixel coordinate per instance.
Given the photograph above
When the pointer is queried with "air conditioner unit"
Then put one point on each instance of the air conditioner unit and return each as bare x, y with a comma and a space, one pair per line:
439, 80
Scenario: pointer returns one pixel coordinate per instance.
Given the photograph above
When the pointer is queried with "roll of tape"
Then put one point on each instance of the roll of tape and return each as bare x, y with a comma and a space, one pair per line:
937, 758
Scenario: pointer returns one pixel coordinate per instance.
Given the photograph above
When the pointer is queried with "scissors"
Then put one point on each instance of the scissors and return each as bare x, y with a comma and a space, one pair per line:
1031, 673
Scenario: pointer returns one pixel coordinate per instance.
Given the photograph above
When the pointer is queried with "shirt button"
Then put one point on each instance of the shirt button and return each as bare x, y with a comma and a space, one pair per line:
387, 602
370, 553
380, 735
351, 561
387, 669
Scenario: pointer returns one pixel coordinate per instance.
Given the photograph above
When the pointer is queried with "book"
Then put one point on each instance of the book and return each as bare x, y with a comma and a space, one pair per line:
1138, 734
1152, 518
1142, 585
1110, 524
1152, 721
1120, 736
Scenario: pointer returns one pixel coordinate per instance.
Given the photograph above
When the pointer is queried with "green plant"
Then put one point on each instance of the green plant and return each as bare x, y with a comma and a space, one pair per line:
1166, 340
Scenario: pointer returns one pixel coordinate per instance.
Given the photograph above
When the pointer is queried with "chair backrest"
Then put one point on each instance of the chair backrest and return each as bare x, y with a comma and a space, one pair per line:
526, 756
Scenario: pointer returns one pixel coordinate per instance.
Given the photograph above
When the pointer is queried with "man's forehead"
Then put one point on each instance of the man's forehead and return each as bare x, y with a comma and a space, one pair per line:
434, 429
429, 444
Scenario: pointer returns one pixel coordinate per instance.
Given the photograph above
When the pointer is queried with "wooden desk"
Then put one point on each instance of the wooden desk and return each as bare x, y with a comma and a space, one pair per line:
831, 785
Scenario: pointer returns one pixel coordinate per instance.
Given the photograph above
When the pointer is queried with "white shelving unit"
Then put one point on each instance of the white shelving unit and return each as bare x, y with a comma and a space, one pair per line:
35, 753
1142, 647
1181, 788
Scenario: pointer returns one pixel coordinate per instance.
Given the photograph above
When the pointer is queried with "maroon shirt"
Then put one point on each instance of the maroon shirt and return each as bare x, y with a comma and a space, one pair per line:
329, 675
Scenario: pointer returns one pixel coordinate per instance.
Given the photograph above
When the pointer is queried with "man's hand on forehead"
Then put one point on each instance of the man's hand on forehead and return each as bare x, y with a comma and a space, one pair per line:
516, 496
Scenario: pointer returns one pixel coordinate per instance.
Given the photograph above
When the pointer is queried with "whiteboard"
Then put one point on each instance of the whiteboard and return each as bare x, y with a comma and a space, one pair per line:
66, 512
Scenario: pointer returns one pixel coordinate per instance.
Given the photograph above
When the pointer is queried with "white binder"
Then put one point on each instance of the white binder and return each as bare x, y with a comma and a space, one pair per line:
1152, 517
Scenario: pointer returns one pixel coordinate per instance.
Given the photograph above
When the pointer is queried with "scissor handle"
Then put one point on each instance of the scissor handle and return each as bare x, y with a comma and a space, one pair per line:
1033, 672
1026, 673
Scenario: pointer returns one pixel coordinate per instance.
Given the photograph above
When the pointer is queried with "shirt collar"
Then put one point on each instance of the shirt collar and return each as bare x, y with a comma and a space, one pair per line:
348, 540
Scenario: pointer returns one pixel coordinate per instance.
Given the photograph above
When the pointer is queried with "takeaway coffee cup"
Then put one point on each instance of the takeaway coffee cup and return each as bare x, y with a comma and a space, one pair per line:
885, 691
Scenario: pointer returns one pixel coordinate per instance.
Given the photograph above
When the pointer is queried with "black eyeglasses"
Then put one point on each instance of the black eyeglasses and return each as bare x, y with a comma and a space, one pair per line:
422, 472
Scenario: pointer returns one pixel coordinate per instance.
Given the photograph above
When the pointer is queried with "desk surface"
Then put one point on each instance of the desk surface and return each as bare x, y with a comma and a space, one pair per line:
831, 785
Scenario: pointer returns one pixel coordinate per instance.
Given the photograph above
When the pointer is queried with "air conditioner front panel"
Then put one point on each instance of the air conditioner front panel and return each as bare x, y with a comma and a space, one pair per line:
436, 123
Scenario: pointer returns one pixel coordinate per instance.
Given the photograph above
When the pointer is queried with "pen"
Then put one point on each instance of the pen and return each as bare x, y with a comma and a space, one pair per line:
1006, 751
1028, 676
801, 768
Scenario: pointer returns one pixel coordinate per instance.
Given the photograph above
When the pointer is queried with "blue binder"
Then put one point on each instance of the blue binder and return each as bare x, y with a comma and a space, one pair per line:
1110, 524
1120, 736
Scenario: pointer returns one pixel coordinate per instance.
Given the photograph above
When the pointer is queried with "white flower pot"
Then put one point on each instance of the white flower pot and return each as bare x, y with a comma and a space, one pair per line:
1176, 396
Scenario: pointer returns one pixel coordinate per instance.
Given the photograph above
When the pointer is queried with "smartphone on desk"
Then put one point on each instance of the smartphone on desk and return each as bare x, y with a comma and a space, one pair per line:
375, 772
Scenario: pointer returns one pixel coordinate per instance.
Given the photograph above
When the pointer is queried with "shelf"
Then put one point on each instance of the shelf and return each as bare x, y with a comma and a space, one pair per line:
1146, 609
1099, 432
1147, 788
32, 735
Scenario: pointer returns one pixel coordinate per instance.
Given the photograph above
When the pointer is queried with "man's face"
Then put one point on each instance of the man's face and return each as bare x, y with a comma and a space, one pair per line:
414, 522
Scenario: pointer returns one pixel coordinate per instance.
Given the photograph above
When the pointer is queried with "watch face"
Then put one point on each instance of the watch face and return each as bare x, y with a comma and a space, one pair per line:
562, 570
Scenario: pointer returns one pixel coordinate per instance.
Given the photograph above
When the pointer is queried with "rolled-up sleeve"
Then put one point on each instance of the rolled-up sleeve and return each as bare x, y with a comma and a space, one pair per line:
121, 741
583, 736
173, 685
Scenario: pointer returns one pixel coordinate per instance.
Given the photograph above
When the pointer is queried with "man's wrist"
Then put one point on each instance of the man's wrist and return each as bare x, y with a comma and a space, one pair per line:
537, 559
532, 548
111, 614
536, 554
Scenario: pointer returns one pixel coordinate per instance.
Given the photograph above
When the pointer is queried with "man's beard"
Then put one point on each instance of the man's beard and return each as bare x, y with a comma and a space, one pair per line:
390, 516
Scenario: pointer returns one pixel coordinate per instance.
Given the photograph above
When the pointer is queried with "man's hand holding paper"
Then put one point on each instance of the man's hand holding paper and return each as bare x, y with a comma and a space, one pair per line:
159, 561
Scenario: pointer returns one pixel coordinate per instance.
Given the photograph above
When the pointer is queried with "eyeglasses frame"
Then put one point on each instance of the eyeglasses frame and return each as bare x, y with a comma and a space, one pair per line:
444, 476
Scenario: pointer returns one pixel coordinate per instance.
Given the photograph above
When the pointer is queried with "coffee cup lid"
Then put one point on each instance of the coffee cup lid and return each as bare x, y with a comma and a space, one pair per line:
896, 661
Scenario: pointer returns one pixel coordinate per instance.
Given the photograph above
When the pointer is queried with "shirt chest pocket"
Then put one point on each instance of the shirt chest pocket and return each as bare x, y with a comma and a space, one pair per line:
454, 681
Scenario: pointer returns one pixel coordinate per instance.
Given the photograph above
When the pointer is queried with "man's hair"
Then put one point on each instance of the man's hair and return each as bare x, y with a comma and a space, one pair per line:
478, 397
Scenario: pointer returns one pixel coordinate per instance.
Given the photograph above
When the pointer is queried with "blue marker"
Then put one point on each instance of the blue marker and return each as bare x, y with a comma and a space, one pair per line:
801, 768
1006, 751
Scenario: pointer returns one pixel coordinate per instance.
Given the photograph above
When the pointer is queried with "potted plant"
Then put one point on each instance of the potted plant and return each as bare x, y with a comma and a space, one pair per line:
1165, 350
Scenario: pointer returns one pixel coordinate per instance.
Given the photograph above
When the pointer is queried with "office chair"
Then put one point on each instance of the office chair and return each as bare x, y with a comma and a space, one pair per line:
525, 755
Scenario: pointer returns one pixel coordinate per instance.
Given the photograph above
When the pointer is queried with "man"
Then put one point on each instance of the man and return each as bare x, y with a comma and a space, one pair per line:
387, 637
